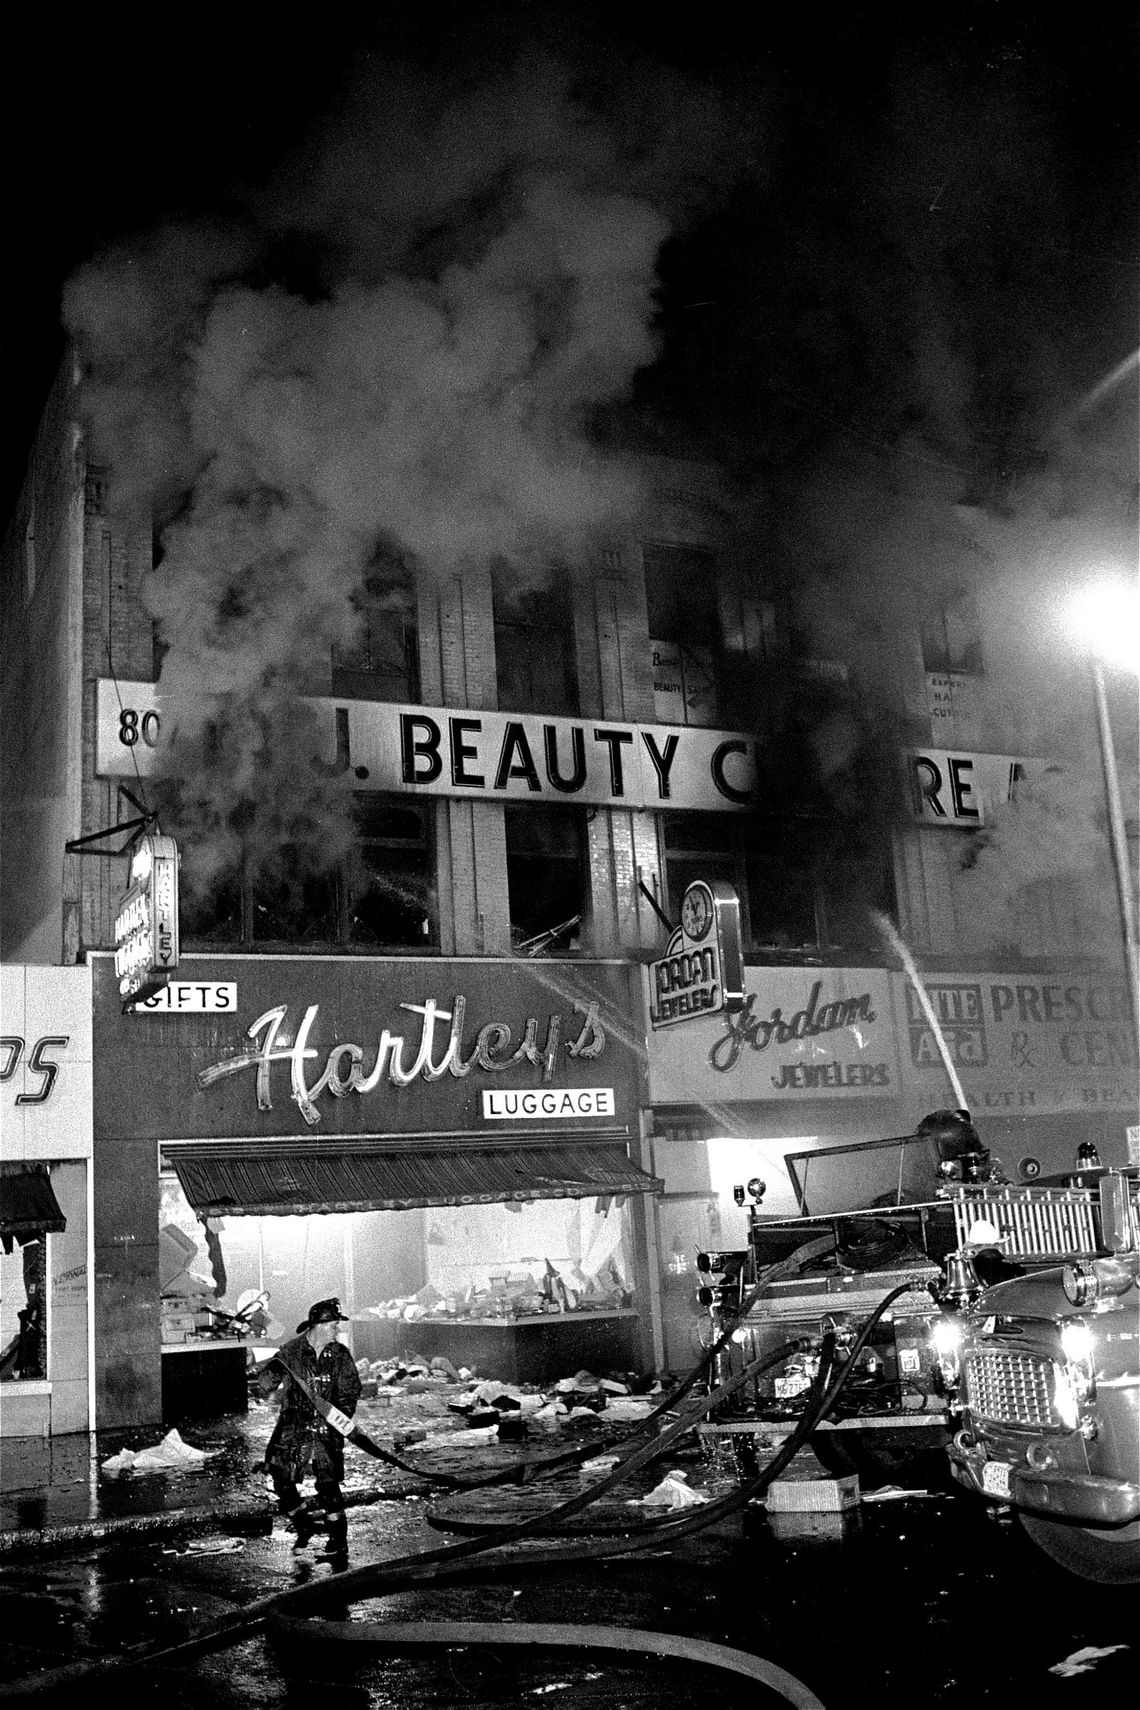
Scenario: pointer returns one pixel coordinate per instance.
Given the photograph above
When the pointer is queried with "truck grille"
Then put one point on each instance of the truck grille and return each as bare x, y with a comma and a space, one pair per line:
1037, 1223
1011, 1388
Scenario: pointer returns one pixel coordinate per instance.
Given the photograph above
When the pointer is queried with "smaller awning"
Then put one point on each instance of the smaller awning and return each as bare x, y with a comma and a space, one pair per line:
28, 1207
290, 1180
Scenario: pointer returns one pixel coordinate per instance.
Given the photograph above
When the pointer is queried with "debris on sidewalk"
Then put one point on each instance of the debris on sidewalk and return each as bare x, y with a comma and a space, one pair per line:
673, 1492
171, 1455
895, 1493
1081, 1662
206, 1547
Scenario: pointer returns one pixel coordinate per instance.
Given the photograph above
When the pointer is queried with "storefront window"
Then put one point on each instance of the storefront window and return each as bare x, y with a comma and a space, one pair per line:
23, 1316
29, 1215
519, 1260
502, 1261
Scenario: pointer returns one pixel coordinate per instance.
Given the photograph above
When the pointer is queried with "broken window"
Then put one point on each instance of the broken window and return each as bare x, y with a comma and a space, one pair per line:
546, 876
799, 886
292, 905
388, 878
764, 865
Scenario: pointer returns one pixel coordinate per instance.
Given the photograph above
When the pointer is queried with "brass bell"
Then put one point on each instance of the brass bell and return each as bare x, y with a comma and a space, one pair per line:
960, 1283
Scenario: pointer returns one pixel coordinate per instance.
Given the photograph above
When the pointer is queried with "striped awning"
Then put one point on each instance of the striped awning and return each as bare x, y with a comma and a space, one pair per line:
227, 1180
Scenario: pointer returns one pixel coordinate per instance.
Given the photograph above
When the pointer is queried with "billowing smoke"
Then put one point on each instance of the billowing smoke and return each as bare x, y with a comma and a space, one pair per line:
936, 440
396, 354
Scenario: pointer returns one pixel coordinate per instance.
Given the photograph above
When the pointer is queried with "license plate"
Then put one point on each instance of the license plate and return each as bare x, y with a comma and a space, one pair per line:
995, 1478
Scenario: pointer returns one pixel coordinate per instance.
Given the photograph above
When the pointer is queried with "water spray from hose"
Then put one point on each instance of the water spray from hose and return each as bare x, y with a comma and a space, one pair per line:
887, 928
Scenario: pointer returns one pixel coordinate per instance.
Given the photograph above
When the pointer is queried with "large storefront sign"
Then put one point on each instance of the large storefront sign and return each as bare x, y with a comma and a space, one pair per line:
1043, 1043
46, 1134
345, 1048
45, 1062
488, 756
802, 1034
958, 790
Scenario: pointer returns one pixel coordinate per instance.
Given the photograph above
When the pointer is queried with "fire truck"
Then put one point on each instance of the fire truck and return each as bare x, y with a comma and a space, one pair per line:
1041, 1367
1009, 1357
871, 1225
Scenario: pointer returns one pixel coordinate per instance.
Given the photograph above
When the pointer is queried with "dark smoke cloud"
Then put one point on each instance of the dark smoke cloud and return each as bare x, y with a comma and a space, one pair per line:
396, 348
913, 377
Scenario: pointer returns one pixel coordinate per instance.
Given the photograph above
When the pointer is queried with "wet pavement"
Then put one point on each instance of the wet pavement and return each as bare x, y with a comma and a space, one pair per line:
913, 1600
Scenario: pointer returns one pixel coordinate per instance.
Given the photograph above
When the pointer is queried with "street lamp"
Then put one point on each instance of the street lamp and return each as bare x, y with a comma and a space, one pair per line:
1107, 617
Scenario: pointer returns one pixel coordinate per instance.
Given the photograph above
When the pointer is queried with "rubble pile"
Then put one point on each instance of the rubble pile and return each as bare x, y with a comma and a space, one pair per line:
469, 1410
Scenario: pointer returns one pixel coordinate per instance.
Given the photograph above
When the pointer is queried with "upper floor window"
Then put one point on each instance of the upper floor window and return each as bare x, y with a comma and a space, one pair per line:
292, 905
534, 647
952, 664
547, 876
381, 896
951, 638
382, 662
681, 602
389, 894
796, 892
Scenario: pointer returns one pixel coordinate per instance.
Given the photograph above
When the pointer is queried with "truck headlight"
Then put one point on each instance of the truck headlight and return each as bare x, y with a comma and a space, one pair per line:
1077, 1342
1077, 1345
1065, 1398
946, 1334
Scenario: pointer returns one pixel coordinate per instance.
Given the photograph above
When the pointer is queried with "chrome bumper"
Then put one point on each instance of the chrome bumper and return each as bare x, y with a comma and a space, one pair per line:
1057, 1494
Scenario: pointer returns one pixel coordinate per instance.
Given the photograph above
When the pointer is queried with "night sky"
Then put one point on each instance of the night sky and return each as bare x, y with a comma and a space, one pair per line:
869, 172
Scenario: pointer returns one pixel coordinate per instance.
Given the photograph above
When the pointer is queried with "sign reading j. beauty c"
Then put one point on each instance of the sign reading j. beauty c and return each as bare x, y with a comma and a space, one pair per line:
482, 755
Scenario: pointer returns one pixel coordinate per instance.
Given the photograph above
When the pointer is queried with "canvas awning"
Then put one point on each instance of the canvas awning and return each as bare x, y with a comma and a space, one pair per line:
28, 1207
226, 1179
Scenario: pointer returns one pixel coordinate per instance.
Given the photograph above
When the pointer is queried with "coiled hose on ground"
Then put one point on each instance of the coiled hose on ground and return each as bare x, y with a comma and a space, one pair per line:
494, 1550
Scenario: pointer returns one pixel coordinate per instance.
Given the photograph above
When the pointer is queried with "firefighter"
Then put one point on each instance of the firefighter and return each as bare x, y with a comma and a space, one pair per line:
961, 1154
302, 1441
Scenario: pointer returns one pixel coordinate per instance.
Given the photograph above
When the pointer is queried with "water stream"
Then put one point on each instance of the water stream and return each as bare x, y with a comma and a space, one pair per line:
887, 928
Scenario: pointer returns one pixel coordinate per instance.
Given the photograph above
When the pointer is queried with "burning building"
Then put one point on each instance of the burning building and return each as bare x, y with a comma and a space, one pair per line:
331, 564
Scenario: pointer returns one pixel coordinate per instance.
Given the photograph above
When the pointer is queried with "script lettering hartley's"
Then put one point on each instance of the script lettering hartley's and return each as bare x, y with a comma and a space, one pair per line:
344, 1071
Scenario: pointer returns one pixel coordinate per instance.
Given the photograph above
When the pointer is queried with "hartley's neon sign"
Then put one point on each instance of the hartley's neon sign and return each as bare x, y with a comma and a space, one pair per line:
345, 1070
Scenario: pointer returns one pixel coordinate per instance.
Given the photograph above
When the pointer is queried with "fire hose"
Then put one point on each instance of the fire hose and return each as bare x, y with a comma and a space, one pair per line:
527, 1466
446, 1564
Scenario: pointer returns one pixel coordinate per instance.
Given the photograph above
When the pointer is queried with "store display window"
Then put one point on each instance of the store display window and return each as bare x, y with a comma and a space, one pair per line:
29, 1215
500, 1262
